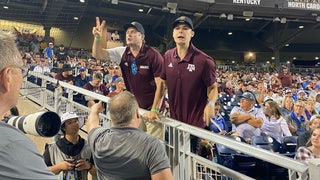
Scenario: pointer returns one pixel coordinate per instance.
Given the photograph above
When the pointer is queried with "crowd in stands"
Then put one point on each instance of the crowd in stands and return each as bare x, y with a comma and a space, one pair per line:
91, 74
275, 104
286, 89
270, 104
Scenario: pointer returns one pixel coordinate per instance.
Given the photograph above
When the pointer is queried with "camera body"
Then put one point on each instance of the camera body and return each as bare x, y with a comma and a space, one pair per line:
76, 174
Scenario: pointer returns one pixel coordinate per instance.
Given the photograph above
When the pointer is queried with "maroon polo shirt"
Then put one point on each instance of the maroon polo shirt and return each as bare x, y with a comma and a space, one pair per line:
149, 65
187, 82
102, 89
60, 77
286, 79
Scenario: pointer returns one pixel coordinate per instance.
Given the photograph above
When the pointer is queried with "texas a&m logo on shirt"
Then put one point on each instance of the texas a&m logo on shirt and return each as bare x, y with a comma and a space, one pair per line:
191, 67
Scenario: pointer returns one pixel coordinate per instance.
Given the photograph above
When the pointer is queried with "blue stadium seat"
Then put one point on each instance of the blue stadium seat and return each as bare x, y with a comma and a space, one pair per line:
237, 138
266, 142
228, 108
270, 170
234, 160
224, 155
289, 145
234, 103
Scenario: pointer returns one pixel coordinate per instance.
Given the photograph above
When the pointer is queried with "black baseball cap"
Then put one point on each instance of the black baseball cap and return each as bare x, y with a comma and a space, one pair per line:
184, 20
136, 25
66, 67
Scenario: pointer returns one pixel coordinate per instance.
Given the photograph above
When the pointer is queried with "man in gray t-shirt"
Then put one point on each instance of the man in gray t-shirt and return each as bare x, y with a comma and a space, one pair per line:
124, 151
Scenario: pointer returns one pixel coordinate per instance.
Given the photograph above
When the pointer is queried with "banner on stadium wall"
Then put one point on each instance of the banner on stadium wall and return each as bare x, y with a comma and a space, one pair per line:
24, 30
285, 4
247, 2
303, 5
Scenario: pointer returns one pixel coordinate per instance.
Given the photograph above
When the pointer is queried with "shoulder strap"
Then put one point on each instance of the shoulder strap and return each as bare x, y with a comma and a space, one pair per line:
214, 123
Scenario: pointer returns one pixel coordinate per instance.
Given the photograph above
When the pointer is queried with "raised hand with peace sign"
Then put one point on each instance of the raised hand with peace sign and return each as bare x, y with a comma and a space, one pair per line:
98, 29
98, 32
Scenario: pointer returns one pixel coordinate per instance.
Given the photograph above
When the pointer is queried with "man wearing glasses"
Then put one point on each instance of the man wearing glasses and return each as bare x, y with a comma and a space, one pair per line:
140, 65
19, 156
297, 123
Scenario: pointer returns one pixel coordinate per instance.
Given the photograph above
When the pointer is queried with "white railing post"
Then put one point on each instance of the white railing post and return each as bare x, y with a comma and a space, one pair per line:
314, 169
172, 142
184, 150
43, 94
57, 99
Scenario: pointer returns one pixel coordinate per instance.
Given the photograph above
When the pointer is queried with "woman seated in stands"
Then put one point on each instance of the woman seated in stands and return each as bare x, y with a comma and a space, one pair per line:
310, 152
313, 124
287, 105
317, 104
274, 125
310, 108
261, 92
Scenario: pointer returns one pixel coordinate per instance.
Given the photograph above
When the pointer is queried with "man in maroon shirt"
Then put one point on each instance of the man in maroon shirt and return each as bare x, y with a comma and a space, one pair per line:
140, 65
66, 74
96, 86
190, 77
285, 77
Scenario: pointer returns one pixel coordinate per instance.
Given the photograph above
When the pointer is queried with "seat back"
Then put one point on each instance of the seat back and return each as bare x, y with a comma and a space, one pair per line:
237, 138
290, 144
224, 155
266, 142
224, 150
224, 97
239, 162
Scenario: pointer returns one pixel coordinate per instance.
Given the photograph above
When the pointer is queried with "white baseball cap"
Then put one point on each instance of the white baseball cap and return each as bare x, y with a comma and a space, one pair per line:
302, 91
70, 115
267, 98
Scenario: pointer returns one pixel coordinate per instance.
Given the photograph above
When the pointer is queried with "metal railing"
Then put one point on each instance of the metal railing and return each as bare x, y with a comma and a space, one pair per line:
185, 164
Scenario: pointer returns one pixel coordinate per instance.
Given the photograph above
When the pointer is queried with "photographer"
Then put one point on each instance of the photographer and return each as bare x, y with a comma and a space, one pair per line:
70, 156
19, 156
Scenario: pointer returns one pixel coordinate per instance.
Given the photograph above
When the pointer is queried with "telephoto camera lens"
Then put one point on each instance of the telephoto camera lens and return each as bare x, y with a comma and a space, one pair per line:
45, 124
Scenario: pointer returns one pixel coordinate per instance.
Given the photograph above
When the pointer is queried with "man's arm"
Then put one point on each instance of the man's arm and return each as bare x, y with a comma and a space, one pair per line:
212, 98
255, 122
93, 118
163, 174
158, 98
238, 118
98, 31
159, 94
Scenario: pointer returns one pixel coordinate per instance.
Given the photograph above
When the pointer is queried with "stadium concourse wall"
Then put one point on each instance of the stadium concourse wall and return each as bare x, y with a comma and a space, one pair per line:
185, 165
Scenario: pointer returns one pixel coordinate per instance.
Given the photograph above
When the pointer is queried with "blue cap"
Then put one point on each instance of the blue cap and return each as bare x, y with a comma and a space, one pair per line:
136, 25
83, 68
184, 20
